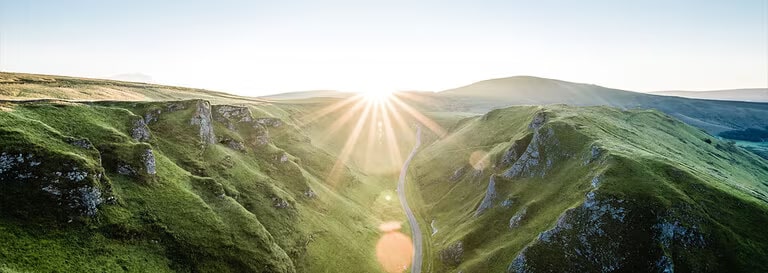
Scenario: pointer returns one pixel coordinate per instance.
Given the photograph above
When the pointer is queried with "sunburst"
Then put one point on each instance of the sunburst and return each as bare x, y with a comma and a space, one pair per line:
387, 120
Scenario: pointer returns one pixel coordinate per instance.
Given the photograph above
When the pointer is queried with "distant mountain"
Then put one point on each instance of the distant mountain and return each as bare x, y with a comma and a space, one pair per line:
746, 94
710, 115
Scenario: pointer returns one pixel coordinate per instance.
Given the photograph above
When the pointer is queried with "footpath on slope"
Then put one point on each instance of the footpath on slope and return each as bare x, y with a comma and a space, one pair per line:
415, 230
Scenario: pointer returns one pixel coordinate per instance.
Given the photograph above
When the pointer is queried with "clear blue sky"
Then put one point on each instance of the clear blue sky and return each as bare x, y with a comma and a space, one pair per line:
259, 47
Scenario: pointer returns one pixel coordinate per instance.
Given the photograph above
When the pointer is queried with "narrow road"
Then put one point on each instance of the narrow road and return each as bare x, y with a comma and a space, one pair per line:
415, 230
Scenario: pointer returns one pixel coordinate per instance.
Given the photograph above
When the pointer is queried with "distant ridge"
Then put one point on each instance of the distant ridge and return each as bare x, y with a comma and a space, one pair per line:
744, 94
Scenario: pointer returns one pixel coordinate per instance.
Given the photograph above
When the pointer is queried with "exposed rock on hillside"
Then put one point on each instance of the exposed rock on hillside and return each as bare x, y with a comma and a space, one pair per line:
587, 237
458, 173
271, 122
148, 158
140, 131
79, 142
517, 218
232, 115
202, 119
539, 155
453, 254
33, 185
490, 195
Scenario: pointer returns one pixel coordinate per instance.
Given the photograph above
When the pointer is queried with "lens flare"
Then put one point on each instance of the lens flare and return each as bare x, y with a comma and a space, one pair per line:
394, 249
479, 160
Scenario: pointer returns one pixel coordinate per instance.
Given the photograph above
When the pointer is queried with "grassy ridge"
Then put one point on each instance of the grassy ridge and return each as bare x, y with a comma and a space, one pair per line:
607, 183
21, 86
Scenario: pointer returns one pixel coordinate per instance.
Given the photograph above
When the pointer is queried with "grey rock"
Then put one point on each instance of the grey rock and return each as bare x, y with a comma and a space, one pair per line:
582, 234
126, 169
453, 254
202, 119
284, 158
517, 218
140, 131
665, 265
238, 113
538, 120
490, 195
309, 193
152, 116
51, 189
280, 203
232, 115
80, 142
595, 181
518, 265
176, 106
236, 145
89, 200
148, 159
543, 142
271, 122
262, 140
507, 203
458, 173
594, 153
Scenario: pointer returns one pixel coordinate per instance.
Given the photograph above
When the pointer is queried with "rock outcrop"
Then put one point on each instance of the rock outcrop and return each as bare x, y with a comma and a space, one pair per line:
202, 119
56, 186
453, 254
539, 155
140, 131
490, 195
148, 159
517, 218
598, 237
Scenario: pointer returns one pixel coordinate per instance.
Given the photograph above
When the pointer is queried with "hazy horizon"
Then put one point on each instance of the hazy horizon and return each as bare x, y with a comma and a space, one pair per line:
260, 48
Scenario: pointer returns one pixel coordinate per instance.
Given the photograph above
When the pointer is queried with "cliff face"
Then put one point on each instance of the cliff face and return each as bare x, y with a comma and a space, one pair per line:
594, 190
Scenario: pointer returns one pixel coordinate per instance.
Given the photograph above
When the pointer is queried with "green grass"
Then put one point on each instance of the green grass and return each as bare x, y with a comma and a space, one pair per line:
656, 164
210, 208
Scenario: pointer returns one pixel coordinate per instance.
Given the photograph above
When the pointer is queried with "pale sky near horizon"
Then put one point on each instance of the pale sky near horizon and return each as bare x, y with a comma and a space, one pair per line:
263, 47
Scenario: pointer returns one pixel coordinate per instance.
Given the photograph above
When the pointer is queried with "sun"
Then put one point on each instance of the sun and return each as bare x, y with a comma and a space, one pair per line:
376, 96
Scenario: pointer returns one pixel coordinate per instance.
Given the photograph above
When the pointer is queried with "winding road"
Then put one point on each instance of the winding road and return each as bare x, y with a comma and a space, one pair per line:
415, 230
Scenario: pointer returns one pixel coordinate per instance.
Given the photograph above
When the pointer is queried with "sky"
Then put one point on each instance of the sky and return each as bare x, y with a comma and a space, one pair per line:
264, 47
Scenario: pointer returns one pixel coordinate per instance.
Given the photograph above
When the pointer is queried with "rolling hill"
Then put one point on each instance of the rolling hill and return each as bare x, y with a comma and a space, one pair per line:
590, 189
712, 116
20, 86
747, 94
110, 176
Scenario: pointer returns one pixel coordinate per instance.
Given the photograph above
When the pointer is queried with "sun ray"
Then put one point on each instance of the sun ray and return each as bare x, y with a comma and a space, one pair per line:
348, 146
372, 126
337, 124
433, 126
311, 117
392, 143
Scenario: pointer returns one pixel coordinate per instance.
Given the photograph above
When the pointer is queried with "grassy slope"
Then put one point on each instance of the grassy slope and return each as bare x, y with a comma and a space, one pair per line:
660, 168
20, 86
713, 116
209, 208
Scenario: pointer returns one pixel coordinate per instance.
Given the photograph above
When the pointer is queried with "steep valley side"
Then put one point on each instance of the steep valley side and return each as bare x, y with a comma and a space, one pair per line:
591, 189
178, 186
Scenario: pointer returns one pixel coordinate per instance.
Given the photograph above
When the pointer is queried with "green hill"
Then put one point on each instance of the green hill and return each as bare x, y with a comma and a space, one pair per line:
20, 86
178, 186
590, 189
711, 115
